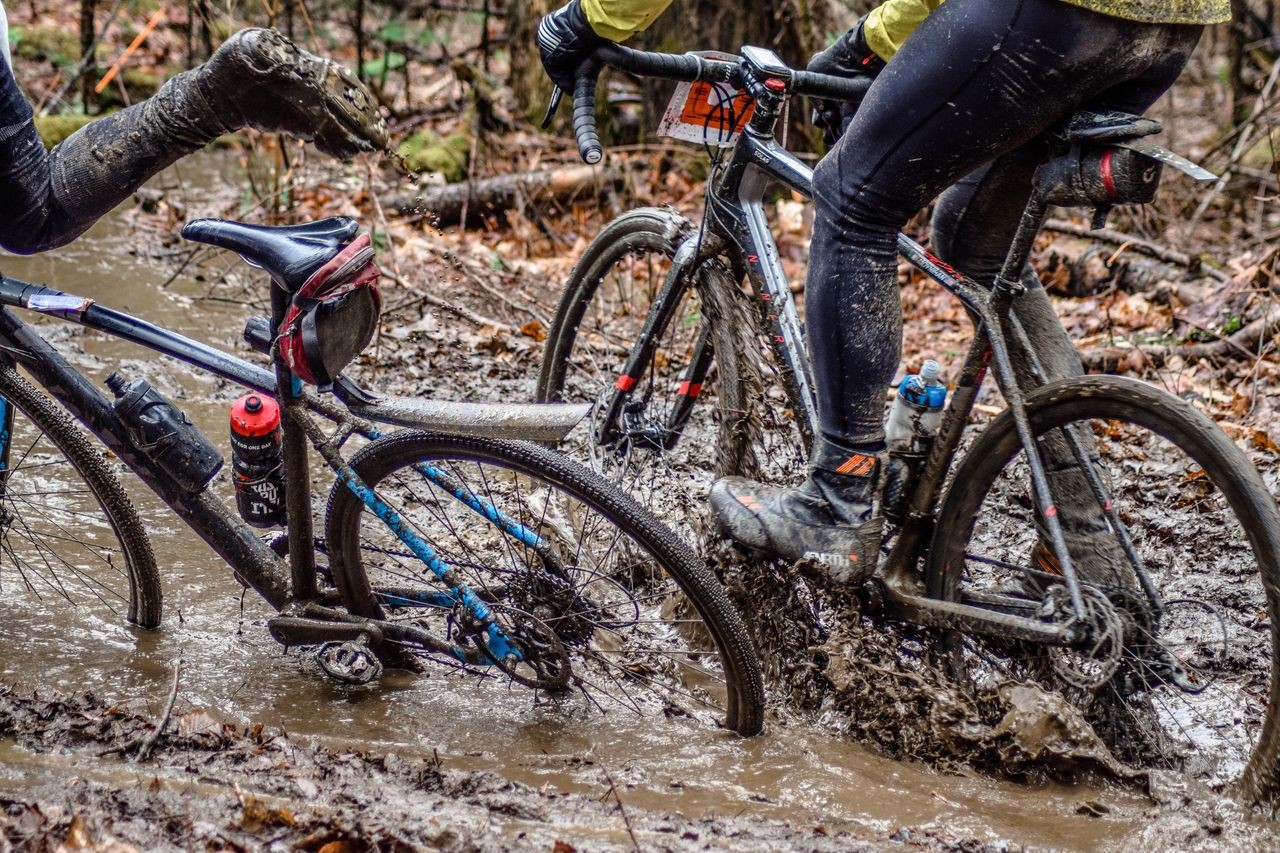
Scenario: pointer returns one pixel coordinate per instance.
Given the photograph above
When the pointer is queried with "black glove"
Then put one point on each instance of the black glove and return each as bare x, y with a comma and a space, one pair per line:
847, 56
565, 39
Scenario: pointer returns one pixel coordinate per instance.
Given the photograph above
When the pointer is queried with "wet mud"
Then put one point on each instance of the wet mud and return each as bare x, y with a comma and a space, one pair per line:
869, 746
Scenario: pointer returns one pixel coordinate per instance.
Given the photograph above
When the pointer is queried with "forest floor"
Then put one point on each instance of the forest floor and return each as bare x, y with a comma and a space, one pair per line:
1180, 296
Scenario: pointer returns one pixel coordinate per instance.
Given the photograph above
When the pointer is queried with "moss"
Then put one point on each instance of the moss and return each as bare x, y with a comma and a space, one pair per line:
1260, 155
54, 129
427, 151
60, 46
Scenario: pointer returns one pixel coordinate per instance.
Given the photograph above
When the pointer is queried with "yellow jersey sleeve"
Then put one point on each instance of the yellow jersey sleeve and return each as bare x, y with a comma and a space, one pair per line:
619, 20
890, 23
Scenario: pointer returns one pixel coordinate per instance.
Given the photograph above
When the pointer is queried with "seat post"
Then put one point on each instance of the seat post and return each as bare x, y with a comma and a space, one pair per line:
297, 483
1009, 282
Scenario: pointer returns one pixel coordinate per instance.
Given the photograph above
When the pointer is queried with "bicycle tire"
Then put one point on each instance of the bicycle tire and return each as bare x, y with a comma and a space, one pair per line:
576, 507
95, 577
742, 380
1219, 477
647, 230
761, 433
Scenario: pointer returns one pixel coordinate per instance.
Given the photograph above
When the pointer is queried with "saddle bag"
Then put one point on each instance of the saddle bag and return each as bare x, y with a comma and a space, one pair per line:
1098, 176
333, 316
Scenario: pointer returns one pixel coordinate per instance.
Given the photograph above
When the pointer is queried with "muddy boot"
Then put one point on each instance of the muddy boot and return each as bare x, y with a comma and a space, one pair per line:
260, 79
828, 518
256, 79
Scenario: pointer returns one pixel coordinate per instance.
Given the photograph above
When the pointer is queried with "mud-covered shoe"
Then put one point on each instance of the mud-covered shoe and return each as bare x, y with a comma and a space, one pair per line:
828, 519
260, 79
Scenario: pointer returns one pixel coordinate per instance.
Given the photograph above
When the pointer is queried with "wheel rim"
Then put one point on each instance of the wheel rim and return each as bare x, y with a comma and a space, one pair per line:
630, 635
1176, 701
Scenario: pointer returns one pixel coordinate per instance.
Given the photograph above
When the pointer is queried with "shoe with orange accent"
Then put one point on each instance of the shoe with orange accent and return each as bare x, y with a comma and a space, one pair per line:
828, 519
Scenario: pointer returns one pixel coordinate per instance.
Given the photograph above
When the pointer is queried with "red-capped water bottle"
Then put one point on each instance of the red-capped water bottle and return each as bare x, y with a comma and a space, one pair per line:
257, 460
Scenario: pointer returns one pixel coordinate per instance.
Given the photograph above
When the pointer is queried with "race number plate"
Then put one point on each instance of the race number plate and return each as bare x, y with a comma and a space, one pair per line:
707, 113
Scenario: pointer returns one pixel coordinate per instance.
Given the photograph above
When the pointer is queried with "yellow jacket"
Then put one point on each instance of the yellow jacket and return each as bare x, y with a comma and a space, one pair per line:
891, 22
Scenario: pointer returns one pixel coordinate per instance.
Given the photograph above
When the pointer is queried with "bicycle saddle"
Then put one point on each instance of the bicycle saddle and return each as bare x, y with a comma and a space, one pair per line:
289, 253
1111, 126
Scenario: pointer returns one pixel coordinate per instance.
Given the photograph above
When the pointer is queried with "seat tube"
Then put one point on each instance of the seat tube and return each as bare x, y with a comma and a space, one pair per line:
297, 473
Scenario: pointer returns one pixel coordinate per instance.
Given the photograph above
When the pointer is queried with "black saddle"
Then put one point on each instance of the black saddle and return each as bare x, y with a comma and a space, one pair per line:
1087, 126
289, 253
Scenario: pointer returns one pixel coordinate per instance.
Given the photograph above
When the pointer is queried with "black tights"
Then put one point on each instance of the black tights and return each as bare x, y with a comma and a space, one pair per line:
967, 97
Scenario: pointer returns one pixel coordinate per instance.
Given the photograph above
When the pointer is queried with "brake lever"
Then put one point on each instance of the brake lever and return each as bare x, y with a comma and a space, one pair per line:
553, 106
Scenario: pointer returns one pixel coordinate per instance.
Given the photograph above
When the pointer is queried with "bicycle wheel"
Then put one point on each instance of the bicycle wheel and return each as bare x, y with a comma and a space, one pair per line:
653, 436
645, 625
68, 532
648, 426
1190, 684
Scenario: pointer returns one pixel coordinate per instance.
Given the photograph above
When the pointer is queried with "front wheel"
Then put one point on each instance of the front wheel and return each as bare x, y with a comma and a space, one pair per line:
73, 552
577, 568
1190, 683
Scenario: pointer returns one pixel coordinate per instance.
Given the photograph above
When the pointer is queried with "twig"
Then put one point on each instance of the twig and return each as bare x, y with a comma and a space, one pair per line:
130, 50
626, 819
145, 749
1238, 150
1119, 238
460, 264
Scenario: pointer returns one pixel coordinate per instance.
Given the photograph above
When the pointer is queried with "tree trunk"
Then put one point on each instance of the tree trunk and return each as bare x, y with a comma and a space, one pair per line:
86, 44
528, 82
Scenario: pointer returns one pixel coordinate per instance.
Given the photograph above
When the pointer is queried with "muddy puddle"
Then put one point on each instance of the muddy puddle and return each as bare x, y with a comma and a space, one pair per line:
795, 772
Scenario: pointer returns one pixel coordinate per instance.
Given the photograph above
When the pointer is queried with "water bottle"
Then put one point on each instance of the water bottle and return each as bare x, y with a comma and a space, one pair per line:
164, 433
913, 422
257, 461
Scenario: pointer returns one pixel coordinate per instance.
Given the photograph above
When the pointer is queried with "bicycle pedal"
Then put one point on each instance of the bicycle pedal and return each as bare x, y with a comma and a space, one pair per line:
349, 662
291, 631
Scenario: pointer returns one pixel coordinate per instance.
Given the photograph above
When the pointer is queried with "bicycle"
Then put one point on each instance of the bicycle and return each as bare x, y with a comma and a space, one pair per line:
1176, 493
445, 542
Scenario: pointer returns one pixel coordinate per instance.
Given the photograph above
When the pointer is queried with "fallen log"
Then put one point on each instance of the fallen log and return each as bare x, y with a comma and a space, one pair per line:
446, 205
1243, 343
1130, 241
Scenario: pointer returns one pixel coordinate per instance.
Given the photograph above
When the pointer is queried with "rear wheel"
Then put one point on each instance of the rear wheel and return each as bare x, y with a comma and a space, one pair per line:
1186, 681
69, 536
577, 570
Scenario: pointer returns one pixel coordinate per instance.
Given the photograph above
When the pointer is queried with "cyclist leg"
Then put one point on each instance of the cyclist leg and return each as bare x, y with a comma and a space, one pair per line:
978, 79
973, 225
257, 78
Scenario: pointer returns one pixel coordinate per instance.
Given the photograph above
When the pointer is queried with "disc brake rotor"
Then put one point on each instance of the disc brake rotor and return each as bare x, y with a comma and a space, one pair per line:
1092, 664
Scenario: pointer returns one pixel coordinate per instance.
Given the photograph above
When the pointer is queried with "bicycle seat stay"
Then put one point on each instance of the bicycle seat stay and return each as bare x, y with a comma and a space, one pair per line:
288, 253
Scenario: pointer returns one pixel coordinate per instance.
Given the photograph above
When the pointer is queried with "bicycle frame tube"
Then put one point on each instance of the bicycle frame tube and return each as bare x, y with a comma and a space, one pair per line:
252, 561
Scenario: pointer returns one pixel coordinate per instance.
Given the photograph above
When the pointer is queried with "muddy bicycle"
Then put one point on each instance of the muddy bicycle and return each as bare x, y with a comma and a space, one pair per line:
445, 542
1170, 652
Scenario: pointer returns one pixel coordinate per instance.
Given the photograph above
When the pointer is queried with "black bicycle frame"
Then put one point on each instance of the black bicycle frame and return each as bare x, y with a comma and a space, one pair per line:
736, 215
288, 588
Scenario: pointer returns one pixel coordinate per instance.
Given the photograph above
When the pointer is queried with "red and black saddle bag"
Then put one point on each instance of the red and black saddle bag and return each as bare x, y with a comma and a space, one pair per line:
333, 316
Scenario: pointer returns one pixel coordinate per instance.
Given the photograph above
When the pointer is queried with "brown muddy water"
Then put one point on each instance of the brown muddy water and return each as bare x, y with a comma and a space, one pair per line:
795, 772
